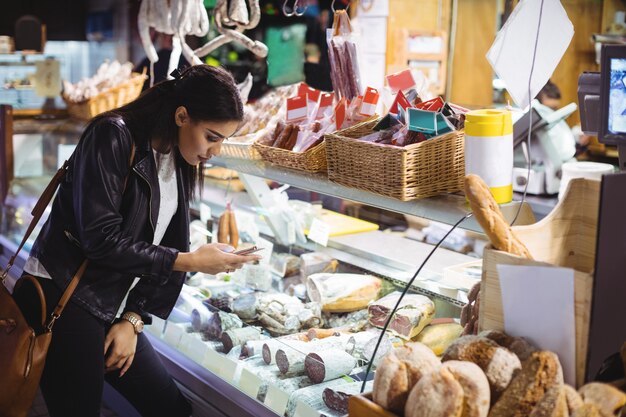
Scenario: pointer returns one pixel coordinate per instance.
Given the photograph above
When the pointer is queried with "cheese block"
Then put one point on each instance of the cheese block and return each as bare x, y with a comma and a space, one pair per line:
342, 293
414, 313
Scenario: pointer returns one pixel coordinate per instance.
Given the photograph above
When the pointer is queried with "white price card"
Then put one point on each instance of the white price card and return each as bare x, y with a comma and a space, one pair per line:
319, 232
157, 326
276, 399
197, 349
48, 78
173, 333
228, 368
249, 383
212, 361
305, 410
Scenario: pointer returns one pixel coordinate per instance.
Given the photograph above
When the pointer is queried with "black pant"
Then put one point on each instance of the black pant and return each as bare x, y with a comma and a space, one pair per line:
73, 376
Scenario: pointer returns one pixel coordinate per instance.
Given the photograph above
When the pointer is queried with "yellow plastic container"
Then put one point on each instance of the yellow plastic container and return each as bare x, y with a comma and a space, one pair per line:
489, 150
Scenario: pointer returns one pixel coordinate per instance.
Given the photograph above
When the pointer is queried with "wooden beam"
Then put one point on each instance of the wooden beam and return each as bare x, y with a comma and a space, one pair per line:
6, 149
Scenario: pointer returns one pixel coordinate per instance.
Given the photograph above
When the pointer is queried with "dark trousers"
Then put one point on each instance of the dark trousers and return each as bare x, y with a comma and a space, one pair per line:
74, 376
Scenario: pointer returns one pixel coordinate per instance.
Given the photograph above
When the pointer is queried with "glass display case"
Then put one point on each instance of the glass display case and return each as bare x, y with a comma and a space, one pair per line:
293, 334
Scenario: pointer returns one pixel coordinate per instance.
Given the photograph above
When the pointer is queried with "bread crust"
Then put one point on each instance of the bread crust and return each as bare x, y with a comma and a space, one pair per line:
539, 373
437, 394
399, 371
553, 404
498, 363
490, 218
608, 399
476, 391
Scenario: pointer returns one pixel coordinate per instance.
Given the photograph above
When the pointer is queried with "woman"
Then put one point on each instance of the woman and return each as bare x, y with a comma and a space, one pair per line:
130, 219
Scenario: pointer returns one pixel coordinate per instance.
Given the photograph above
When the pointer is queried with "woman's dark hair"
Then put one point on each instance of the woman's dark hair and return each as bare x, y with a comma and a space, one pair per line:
208, 93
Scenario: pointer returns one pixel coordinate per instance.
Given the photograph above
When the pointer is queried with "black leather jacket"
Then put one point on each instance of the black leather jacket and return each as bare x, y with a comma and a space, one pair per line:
92, 218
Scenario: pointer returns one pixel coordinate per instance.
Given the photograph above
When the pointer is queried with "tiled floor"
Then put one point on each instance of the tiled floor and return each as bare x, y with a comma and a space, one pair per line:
39, 409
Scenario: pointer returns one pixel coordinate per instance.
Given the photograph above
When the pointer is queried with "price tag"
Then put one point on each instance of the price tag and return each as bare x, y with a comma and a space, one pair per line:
227, 370
173, 333
197, 349
297, 108
249, 383
212, 361
370, 101
399, 101
305, 410
340, 113
319, 232
402, 80
326, 101
48, 78
276, 399
156, 328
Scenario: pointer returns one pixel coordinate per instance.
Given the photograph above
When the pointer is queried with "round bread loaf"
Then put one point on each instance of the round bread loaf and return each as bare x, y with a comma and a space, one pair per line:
588, 410
540, 372
553, 404
573, 398
518, 345
608, 399
499, 364
475, 386
399, 371
437, 394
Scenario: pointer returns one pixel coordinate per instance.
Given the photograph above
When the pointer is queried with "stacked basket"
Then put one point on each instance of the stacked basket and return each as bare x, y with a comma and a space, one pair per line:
109, 99
420, 170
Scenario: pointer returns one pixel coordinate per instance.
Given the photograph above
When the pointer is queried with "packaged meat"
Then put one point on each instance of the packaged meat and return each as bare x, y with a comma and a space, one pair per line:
314, 262
342, 293
414, 313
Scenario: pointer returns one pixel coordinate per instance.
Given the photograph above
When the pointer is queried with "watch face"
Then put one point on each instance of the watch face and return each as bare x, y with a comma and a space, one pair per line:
139, 326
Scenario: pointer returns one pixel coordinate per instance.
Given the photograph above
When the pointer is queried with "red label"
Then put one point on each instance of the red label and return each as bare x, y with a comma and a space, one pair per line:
370, 100
326, 100
401, 101
431, 105
296, 108
340, 113
400, 81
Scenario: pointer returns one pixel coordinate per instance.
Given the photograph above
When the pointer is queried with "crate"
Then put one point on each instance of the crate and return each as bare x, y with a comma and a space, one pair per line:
363, 406
107, 100
565, 238
420, 170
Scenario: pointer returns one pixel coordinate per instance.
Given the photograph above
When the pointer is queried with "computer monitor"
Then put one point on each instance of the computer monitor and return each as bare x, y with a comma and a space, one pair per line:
613, 95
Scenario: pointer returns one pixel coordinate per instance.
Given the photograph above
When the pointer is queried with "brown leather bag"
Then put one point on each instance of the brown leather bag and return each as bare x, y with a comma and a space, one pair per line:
22, 350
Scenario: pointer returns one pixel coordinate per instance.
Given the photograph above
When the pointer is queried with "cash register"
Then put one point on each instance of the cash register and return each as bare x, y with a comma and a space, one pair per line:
602, 99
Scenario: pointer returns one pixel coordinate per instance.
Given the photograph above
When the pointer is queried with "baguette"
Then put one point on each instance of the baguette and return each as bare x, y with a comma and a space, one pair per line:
490, 218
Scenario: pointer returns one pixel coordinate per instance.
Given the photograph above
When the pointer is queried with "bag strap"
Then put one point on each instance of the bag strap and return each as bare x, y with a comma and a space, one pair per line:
37, 212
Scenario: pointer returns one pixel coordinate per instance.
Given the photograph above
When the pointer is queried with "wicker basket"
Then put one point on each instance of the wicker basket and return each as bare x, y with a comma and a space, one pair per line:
313, 160
107, 100
433, 167
239, 150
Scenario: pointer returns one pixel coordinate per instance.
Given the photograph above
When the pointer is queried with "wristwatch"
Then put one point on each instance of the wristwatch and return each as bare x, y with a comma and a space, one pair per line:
134, 320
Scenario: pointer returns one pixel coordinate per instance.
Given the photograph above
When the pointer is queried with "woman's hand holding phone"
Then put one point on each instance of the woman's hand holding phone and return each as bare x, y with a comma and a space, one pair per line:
212, 258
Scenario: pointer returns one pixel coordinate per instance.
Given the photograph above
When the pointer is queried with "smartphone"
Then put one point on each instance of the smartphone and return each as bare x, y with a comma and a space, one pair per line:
248, 251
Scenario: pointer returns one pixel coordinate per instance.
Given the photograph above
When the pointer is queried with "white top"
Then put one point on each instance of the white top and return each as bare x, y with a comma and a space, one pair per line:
168, 205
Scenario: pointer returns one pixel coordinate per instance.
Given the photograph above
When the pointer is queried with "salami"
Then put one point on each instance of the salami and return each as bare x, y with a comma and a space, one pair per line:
328, 364
221, 322
237, 337
336, 397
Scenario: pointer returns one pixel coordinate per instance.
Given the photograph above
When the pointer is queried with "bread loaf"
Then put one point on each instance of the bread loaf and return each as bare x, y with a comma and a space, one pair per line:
439, 336
518, 345
540, 372
573, 398
437, 394
399, 371
499, 364
608, 399
588, 410
553, 404
476, 395
490, 218
342, 293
